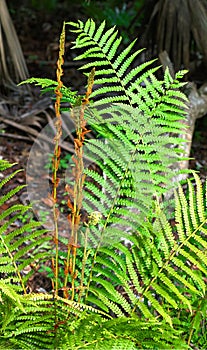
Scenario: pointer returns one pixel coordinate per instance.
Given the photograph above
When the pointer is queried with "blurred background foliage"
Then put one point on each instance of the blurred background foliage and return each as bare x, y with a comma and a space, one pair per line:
127, 15
178, 27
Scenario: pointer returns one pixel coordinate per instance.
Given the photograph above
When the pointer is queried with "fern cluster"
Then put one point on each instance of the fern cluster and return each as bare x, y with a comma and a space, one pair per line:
150, 294
139, 118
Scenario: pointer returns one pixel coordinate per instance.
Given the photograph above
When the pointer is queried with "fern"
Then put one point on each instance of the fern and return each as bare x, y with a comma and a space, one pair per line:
101, 48
165, 268
137, 166
49, 85
15, 255
112, 67
122, 333
27, 321
139, 117
41, 321
134, 297
9, 291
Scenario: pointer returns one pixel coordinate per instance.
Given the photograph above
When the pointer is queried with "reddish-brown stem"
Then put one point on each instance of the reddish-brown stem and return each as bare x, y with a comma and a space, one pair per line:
57, 151
74, 218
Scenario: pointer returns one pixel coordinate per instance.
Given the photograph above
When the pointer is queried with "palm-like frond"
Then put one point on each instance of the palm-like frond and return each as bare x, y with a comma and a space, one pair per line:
165, 268
185, 34
12, 62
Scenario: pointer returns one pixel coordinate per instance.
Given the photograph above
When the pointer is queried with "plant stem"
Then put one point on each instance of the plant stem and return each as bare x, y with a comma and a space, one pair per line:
77, 192
83, 264
57, 151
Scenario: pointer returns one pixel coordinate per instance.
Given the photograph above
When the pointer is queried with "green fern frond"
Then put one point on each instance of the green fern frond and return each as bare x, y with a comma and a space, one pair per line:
4, 164
103, 50
17, 244
49, 85
164, 268
38, 324
28, 330
15, 208
136, 160
9, 177
122, 333
43, 82
11, 294
10, 194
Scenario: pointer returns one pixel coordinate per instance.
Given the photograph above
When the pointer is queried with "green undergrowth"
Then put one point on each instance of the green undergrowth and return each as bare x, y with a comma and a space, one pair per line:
131, 272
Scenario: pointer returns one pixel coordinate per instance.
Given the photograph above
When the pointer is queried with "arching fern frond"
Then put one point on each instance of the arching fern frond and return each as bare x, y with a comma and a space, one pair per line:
139, 117
49, 85
40, 321
18, 248
122, 333
166, 267
112, 66
135, 160
9, 291
117, 81
29, 329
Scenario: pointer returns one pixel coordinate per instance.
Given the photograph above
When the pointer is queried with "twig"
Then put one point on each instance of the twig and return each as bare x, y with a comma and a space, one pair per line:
14, 136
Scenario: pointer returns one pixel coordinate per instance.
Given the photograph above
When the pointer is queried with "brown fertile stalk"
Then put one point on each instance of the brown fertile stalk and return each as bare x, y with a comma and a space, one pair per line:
57, 151
76, 193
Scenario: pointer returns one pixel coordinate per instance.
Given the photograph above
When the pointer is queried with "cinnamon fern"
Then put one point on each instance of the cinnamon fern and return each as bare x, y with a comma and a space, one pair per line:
151, 292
